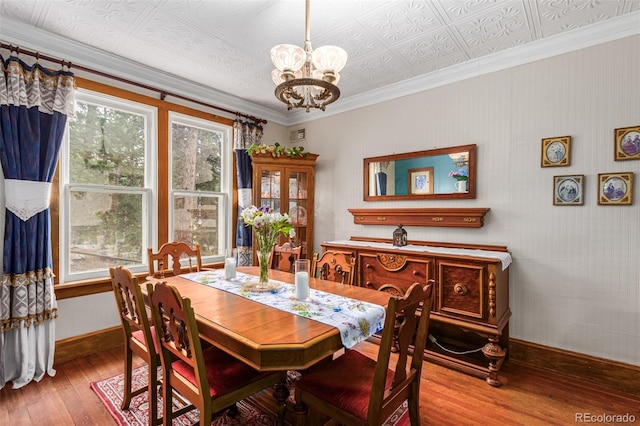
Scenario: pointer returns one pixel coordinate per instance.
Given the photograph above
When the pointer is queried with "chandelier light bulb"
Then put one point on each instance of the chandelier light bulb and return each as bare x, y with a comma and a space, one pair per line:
333, 78
279, 77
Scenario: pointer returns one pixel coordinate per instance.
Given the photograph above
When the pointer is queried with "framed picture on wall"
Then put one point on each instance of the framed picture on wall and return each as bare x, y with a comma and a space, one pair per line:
556, 151
421, 180
627, 143
615, 188
568, 190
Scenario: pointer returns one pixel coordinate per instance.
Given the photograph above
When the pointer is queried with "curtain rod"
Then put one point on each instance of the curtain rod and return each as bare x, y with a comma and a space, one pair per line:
163, 93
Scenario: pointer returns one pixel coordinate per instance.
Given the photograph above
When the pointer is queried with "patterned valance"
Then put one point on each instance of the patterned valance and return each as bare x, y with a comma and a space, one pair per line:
35, 85
246, 134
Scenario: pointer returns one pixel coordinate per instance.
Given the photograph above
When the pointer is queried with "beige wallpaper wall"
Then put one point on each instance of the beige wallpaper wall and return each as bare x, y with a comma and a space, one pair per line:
575, 278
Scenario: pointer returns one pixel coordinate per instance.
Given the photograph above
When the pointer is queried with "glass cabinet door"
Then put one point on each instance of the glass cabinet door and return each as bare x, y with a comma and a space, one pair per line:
270, 189
298, 192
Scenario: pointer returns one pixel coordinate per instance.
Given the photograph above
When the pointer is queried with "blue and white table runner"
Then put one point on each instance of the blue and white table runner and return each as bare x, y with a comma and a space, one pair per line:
356, 320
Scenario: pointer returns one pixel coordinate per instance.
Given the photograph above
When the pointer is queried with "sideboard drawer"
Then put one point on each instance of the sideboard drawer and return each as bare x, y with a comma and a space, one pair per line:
461, 289
399, 271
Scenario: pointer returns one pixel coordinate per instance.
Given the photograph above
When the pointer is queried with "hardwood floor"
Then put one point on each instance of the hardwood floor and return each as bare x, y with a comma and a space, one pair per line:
529, 396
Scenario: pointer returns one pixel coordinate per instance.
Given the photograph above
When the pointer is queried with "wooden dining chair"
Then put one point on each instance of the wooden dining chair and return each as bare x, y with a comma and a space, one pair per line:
354, 389
138, 337
334, 266
210, 379
166, 261
283, 257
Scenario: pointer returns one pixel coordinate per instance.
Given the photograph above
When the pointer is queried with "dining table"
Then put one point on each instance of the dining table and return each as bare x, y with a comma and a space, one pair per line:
263, 336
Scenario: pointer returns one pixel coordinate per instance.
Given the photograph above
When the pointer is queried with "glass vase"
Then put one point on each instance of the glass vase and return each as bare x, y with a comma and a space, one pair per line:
263, 262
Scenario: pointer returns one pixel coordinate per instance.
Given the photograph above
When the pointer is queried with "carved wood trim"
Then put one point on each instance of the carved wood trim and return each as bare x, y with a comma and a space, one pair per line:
392, 262
440, 217
492, 294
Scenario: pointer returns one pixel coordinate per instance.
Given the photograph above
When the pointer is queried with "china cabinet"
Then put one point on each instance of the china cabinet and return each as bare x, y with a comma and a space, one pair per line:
286, 185
469, 325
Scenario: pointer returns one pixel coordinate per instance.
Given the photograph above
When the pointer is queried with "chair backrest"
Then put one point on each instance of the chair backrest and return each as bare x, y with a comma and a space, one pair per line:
166, 262
283, 257
131, 306
334, 266
175, 324
412, 331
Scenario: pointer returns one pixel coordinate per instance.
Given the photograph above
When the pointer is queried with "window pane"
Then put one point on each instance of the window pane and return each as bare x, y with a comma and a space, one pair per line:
196, 158
197, 219
105, 230
107, 146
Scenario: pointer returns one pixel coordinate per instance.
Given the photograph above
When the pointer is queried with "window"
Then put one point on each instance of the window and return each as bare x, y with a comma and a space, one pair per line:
200, 181
136, 172
107, 181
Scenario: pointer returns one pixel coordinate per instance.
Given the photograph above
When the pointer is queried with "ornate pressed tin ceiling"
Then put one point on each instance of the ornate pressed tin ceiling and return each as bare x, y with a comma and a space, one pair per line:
392, 45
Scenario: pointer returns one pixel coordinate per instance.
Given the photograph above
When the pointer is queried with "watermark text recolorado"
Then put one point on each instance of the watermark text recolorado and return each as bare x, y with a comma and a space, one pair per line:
604, 418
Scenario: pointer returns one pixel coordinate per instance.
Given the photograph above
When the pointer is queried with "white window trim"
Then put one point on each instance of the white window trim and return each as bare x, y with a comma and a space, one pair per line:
226, 180
150, 220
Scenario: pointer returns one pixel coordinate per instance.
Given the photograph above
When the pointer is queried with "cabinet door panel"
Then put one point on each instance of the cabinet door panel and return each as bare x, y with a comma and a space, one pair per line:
298, 205
461, 289
270, 189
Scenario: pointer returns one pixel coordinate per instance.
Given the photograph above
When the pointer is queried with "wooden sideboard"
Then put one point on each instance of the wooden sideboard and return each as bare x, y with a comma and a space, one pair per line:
469, 327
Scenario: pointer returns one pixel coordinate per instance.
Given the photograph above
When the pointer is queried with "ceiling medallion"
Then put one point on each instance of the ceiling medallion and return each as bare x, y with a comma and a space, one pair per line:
306, 78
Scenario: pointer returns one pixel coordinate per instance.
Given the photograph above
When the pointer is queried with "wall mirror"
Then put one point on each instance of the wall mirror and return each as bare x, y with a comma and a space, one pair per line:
442, 173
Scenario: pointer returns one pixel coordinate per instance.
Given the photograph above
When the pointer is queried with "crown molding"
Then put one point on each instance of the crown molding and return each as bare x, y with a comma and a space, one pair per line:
35, 39
612, 29
32, 38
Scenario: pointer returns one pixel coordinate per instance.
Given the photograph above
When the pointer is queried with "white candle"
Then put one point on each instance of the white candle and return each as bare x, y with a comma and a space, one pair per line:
302, 285
229, 268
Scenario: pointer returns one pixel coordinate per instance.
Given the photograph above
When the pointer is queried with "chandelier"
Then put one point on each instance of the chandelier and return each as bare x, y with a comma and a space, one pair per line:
306, 78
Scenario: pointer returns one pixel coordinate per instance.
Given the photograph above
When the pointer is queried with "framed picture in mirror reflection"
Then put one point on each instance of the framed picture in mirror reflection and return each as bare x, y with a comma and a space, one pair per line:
421, 180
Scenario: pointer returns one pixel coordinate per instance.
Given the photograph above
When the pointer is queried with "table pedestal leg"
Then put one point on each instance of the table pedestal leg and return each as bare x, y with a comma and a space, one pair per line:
281, 394
301, 411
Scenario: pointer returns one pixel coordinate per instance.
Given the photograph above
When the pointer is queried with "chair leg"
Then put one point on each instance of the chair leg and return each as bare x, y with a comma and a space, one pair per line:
414, 412
167, 401
206, 415
233, 410
153, 394
128, 360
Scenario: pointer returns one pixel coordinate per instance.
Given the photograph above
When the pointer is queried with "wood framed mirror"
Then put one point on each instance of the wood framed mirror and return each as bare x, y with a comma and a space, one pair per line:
435, 174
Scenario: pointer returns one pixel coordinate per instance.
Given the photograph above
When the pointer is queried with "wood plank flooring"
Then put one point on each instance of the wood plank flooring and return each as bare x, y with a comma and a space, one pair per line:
529, 396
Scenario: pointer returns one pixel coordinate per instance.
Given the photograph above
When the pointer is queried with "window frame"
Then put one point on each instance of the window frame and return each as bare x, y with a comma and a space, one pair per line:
63, 289
149, 220
226, 178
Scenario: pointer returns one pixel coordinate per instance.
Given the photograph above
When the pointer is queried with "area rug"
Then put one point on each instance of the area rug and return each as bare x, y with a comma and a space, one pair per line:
110, 392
